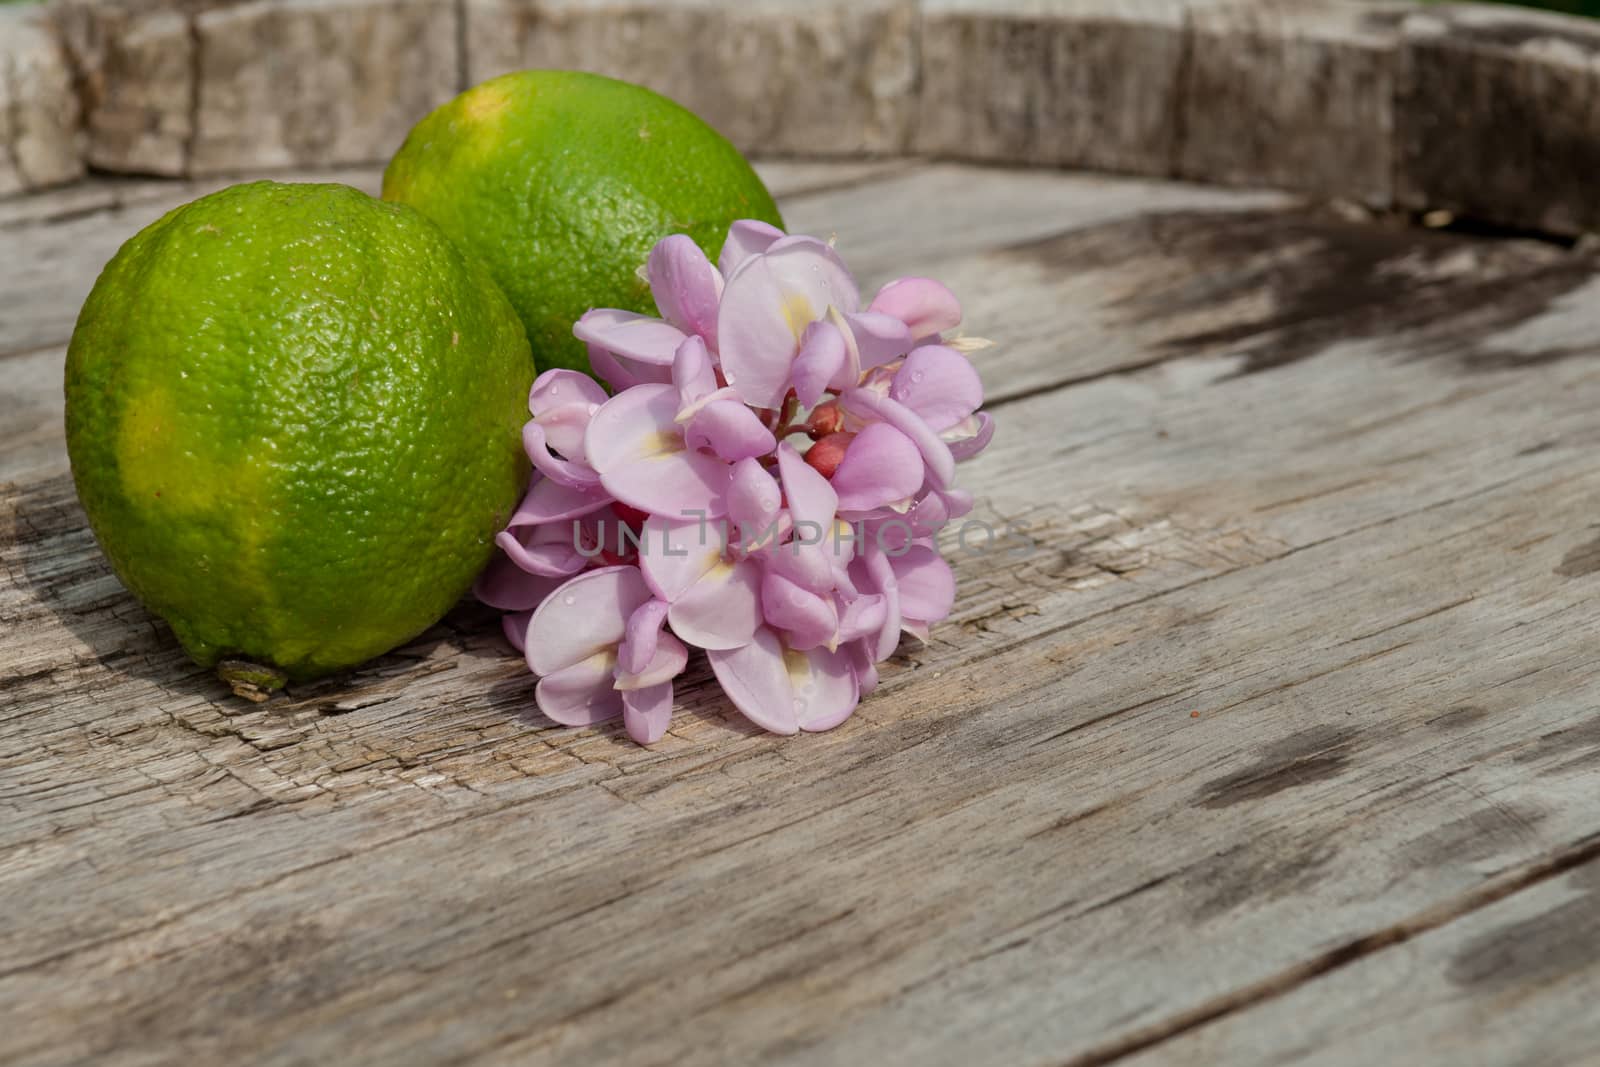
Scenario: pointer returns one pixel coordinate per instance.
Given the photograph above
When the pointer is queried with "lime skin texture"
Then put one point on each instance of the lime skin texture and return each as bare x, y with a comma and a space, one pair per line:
294, 417
562, 182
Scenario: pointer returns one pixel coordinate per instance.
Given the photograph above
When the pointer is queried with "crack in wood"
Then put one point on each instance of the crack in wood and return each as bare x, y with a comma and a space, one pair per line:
1342, 955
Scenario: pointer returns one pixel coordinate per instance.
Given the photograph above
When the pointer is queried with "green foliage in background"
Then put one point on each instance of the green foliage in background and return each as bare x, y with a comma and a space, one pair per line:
1568, 7
1571, 7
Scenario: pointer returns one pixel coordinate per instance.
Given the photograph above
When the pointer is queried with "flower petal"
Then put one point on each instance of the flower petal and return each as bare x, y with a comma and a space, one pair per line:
665, 664
674, 554
638, 451
647, 712
862, 617
564, 426
641, 637
810, 497
866, 404
757, 345
557, 469
505, 585
514, 624
820, 360
550, 501
882, 467
722, 609
731, 430
766, 308
756, 679
805, 265
692, 372
622, 373
932, 512
586, 615
971, 446
927, 307
848, 375
685, 285
754, 501
560, 387
681, 484
939, 384
580, 694
866, 671
632, 336
927, 585
826, 684
802, 562
872, 571
808, 619
746, 238
879, 338
783, 691
549, 551
957, 502
635, 424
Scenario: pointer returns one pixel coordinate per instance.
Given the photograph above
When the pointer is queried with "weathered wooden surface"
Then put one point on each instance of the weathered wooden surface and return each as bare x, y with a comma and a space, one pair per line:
1079, 83
1525, 83
1290, 94
39, 113
826, 78
1280, 739
322, 84
136, 61
1488, 111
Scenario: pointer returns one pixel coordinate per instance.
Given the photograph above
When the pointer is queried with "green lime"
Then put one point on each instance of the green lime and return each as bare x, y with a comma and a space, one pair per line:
294, 417
562, 182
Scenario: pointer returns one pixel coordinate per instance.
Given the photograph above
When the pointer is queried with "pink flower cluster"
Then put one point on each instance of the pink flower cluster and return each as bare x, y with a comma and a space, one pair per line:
765, 484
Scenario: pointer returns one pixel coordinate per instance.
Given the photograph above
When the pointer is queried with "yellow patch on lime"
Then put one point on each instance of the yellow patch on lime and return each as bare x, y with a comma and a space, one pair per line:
294, 416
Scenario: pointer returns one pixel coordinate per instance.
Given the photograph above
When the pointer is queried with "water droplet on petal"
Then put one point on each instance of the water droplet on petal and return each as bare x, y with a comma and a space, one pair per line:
569, 600
916, 376
593, 408
554, 389
799, 705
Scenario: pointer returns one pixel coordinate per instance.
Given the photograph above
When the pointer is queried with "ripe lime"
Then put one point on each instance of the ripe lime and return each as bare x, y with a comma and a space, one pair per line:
561, 182
294, 417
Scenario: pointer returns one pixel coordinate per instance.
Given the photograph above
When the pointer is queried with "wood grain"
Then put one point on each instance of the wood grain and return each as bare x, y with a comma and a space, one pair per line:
1471, 992
1286, 94
56, 242
1085, 83
1527, 83
1488, 111
831, 78
1269, 732
39, 112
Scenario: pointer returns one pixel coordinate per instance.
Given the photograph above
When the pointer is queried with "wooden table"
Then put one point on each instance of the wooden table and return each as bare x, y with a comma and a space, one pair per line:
1281, 742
